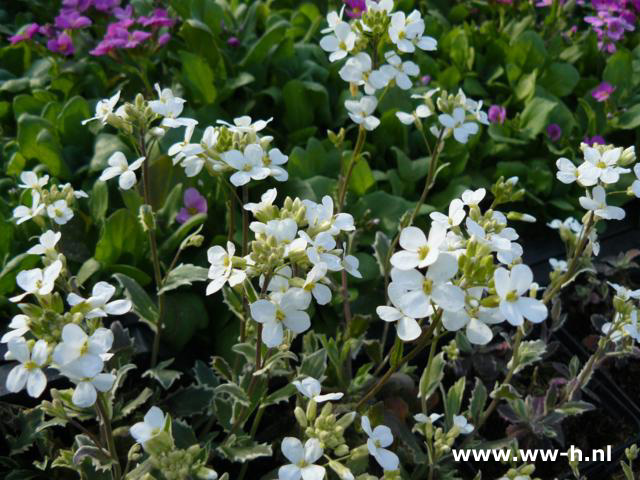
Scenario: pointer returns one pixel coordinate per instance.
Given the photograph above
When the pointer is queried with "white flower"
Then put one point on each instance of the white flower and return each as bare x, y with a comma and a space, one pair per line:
272, 161
350, 263
244, 124
302, 460
59, 212
418, 251
403, 31
88, 379
358, 70
284, 231
266, 200
421, 111
24, 213
320, 250
153, 424
333, 19
568, 172
19, 326
47, 244
310, 388
279, 281
414, 292
473, 317
287, 311
31, 180
314, 284
473, 197
37, 281
399, 71
631, 329
558, 265
635, 186
379, 438
104, 108
221, 269
340, 43
29, 372
422, 418
601, 167
463, 425
384, 6
408, 328
597, 203
458, 124
511, 288
181, 151
78, 347
167, 105
248, 164
455, 216
320, 217
360, 111
119, 167
624, 293
98, 303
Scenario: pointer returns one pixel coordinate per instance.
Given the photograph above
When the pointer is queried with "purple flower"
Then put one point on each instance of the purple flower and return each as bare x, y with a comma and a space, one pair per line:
28, 34
194, 203
159, 18
163, 39
78, 5
70, 19
603, 91
425, 79
136, 38
105, 5
356, 7
596, 139
61, 44
233, 42
497, 114
554, 131
123, 13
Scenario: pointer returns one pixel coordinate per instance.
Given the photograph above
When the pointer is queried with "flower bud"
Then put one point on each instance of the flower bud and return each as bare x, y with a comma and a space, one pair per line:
300, 417
147, 218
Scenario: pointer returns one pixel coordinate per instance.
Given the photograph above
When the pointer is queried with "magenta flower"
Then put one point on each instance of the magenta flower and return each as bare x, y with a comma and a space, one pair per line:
70, 19
123, 13
554, 132
105, 5
497, 114
425, 79
28, 34
163, 39
61, 44
194, 203
233, 42
356, 7
603, 91
596, 139
159, 18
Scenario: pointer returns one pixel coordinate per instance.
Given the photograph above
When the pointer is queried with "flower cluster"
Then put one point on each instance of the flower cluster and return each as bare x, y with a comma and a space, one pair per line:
128, 31
298, 237
70, 340
49, 204
611, 20
451, 273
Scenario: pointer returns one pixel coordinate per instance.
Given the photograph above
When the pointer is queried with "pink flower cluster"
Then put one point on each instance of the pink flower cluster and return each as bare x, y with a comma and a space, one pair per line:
611, 20
127, 31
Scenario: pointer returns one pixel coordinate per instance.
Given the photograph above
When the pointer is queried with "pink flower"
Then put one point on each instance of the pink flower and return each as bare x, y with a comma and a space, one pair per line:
61, 44
163, 39
159, 18
28, 34
70, 19
603, 91
194, 203
233, 42
356, 7
497, 114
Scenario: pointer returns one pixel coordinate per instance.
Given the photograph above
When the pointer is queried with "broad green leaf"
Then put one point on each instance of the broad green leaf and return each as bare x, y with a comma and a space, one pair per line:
198, 77
630, 119
535, 116
429, 384
120, 234
38, 142
183, 274
164, 376
143, 306
560, 78
184, 314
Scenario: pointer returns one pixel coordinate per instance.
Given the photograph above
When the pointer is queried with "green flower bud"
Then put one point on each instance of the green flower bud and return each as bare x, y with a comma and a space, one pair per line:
300, 417
147, 218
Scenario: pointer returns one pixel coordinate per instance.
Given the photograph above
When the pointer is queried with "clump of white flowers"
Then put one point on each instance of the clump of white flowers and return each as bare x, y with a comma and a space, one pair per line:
49, 204
466, 273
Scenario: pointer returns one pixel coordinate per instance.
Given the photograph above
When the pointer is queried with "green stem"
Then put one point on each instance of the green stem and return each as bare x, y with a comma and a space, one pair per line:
344, 184
423, 341
108, 433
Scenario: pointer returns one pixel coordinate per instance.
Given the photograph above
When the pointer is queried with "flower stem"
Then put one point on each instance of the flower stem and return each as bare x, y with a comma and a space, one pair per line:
108, 433
344, 184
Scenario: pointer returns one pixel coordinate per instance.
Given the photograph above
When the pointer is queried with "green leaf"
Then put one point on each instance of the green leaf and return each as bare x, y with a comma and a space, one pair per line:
381, 245
87, 269
281, 395
505, 392
265, 44
313, 364
535, 116
163, 375
630, 119
233, 391
121, 234
388, 208
69, 121
454, 399
99, 200
243, 449
184, 314
198, 76
183, 274
106, 145
173, 242
560, 78
575, 408
619, 70
529, 352
478, 400
429, 384
143, 306
189, 401
37, 141
361, 177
